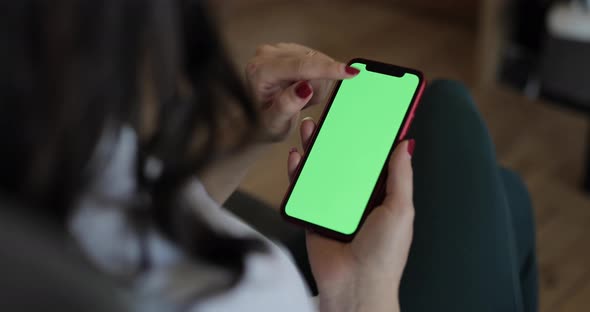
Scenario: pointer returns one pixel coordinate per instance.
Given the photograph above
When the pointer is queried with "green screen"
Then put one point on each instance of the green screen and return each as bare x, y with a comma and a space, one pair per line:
342, 168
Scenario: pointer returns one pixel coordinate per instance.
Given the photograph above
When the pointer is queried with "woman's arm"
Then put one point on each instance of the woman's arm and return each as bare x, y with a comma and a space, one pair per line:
358, 297
223, 177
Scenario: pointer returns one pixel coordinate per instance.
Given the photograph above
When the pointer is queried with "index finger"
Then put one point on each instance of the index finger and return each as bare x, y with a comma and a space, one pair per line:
294, 48
305, 68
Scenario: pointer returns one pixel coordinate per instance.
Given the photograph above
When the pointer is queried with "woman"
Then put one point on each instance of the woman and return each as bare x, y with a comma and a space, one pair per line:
124, 125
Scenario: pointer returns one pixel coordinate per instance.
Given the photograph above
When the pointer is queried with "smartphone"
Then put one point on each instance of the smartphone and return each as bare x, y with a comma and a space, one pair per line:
342, 174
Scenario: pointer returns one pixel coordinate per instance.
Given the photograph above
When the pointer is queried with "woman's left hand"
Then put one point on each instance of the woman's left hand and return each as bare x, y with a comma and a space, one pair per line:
365, 274
287, 77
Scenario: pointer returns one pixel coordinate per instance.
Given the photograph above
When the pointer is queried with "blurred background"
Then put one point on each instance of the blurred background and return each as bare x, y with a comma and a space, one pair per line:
527, 63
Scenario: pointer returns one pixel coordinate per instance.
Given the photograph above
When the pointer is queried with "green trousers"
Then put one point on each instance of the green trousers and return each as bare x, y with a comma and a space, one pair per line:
474, 238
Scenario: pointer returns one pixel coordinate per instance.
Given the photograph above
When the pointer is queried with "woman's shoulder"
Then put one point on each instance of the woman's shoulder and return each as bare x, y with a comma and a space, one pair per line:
106, 233
270, 278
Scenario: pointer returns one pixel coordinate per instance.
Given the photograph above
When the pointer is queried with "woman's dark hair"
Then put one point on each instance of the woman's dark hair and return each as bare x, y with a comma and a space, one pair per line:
72, 69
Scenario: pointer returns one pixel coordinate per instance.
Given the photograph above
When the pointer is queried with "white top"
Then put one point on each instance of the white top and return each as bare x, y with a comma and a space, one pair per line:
271, 281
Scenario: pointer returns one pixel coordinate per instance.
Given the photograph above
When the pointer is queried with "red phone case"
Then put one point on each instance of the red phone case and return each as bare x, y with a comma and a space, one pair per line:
379, 190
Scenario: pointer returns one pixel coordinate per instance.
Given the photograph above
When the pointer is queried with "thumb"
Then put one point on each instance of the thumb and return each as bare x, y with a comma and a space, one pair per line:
399, 188
289, 103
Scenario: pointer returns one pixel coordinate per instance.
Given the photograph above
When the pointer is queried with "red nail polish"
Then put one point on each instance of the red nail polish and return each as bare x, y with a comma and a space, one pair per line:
292, 150
351, 70
303, 90
411, 146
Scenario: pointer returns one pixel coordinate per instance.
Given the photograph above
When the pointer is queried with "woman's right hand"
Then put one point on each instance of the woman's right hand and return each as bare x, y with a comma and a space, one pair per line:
364, 275
288, 77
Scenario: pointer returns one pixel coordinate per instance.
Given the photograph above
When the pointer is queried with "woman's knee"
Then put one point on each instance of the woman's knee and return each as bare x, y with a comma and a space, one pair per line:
448, 96
447, 108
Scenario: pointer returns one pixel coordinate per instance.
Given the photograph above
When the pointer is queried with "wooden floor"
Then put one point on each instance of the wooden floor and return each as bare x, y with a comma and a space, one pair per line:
542, 142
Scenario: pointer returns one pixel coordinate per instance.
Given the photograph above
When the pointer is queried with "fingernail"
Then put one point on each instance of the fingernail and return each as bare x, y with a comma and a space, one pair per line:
411, 146
351, 70
303, 90
307, 118
292, 150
